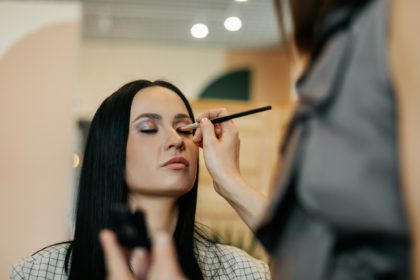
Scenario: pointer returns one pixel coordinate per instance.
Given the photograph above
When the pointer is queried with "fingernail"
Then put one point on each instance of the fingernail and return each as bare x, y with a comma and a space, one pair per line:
105, 235
137, 258
139, 252
204, 120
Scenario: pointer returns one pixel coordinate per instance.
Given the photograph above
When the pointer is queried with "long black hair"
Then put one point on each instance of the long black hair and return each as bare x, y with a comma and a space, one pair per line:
102, 183
308, 17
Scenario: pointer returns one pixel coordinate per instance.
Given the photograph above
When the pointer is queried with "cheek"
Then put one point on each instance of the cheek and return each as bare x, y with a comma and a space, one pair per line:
139, 161
142, 149
136, 158
194, 155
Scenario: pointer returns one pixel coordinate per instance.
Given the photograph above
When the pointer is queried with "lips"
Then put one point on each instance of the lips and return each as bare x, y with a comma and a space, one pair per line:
177, 162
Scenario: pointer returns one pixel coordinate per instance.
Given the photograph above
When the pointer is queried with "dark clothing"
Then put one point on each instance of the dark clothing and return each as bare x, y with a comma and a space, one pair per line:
337, 211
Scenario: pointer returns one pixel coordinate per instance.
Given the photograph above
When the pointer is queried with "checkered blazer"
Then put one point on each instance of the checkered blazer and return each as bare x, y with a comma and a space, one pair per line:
216, 261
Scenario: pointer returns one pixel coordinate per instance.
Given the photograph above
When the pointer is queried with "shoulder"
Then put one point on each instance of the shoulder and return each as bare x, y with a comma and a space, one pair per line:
228, 261
46, 263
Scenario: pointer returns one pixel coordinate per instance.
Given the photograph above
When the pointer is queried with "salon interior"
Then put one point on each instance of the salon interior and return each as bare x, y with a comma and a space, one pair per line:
60, 59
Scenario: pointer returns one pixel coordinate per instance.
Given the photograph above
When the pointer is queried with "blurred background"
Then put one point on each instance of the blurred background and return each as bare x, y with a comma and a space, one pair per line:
60, 59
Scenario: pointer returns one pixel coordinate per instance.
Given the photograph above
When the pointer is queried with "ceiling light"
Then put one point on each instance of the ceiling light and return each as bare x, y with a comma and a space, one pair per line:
199, 30
233, 23
241, 0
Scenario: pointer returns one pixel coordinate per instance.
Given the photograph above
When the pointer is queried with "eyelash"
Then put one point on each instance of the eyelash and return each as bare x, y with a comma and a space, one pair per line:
150, 131
188, 132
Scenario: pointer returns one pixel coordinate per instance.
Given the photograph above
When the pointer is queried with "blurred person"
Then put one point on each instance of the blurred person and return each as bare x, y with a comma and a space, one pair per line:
346, 204
136, 155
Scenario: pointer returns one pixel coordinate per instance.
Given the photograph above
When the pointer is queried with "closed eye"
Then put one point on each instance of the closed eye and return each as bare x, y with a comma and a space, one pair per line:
148, 131
185, 132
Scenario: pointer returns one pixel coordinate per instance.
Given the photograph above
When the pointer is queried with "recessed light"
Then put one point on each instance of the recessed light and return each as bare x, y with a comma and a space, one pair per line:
241, 0
233, 23
199, 31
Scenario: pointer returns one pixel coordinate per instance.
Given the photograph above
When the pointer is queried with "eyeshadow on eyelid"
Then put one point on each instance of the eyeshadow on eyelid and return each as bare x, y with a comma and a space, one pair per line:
183, 123
145, 124
183, 120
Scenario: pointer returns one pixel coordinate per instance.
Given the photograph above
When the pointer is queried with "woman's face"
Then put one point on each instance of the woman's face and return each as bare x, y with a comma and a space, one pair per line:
161, 161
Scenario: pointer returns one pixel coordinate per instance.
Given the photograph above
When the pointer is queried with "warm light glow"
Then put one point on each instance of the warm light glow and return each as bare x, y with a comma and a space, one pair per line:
233, 23
76, 160
199, 31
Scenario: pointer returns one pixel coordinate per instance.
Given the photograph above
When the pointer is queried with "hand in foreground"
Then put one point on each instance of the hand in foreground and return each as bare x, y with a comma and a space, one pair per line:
161, 265
220, 145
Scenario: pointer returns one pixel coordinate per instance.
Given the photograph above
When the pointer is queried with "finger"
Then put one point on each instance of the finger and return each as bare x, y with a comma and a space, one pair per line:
229, 127
198, 138
114, 258
218, 130
211, 114
208, 134
140, 263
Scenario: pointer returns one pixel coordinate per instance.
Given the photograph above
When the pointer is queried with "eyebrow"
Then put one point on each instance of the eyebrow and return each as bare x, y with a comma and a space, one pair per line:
149, 116
159, 117
181, 116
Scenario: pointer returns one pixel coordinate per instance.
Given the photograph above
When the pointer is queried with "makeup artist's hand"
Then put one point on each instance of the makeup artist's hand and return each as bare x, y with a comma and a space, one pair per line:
220, 144
161, 265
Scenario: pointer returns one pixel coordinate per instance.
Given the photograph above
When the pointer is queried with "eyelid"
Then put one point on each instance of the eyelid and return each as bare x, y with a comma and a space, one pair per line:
186, 132
139, 120
146, 124
182, 122
181, 125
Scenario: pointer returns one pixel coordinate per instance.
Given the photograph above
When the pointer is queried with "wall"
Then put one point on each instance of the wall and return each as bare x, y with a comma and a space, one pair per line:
38, 64
107, 65
272, 76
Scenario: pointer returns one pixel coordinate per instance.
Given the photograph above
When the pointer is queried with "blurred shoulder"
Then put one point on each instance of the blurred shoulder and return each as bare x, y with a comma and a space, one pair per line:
45, 263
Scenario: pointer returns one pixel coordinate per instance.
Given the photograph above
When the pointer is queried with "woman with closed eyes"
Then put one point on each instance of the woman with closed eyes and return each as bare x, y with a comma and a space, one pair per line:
136, 155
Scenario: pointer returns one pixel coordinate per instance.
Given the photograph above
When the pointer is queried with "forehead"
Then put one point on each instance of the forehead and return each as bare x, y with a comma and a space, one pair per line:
157, 100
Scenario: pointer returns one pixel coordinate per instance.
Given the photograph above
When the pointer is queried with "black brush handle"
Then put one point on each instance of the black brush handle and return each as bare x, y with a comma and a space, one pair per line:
240, 114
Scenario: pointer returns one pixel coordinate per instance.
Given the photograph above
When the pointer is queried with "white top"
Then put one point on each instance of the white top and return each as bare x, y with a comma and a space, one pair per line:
215, 261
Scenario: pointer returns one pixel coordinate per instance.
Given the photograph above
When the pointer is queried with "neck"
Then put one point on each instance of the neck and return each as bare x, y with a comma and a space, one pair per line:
161, 213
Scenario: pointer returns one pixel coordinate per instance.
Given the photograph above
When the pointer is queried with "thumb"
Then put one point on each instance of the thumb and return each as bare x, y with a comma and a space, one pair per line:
207, 130
139, 263
114, 258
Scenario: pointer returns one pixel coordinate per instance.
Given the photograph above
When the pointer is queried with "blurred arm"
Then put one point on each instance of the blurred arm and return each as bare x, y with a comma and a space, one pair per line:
405, 61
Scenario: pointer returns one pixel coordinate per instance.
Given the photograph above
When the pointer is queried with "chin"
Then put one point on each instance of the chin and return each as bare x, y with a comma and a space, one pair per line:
176, 190
176, 184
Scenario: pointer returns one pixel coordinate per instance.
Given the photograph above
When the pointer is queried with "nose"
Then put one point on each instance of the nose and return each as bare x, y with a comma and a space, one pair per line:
175, 141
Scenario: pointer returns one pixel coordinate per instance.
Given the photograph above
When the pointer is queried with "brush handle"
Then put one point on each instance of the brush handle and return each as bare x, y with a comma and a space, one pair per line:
226, 118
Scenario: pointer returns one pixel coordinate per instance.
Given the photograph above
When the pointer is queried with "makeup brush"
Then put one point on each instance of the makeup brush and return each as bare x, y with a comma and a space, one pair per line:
226, 118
